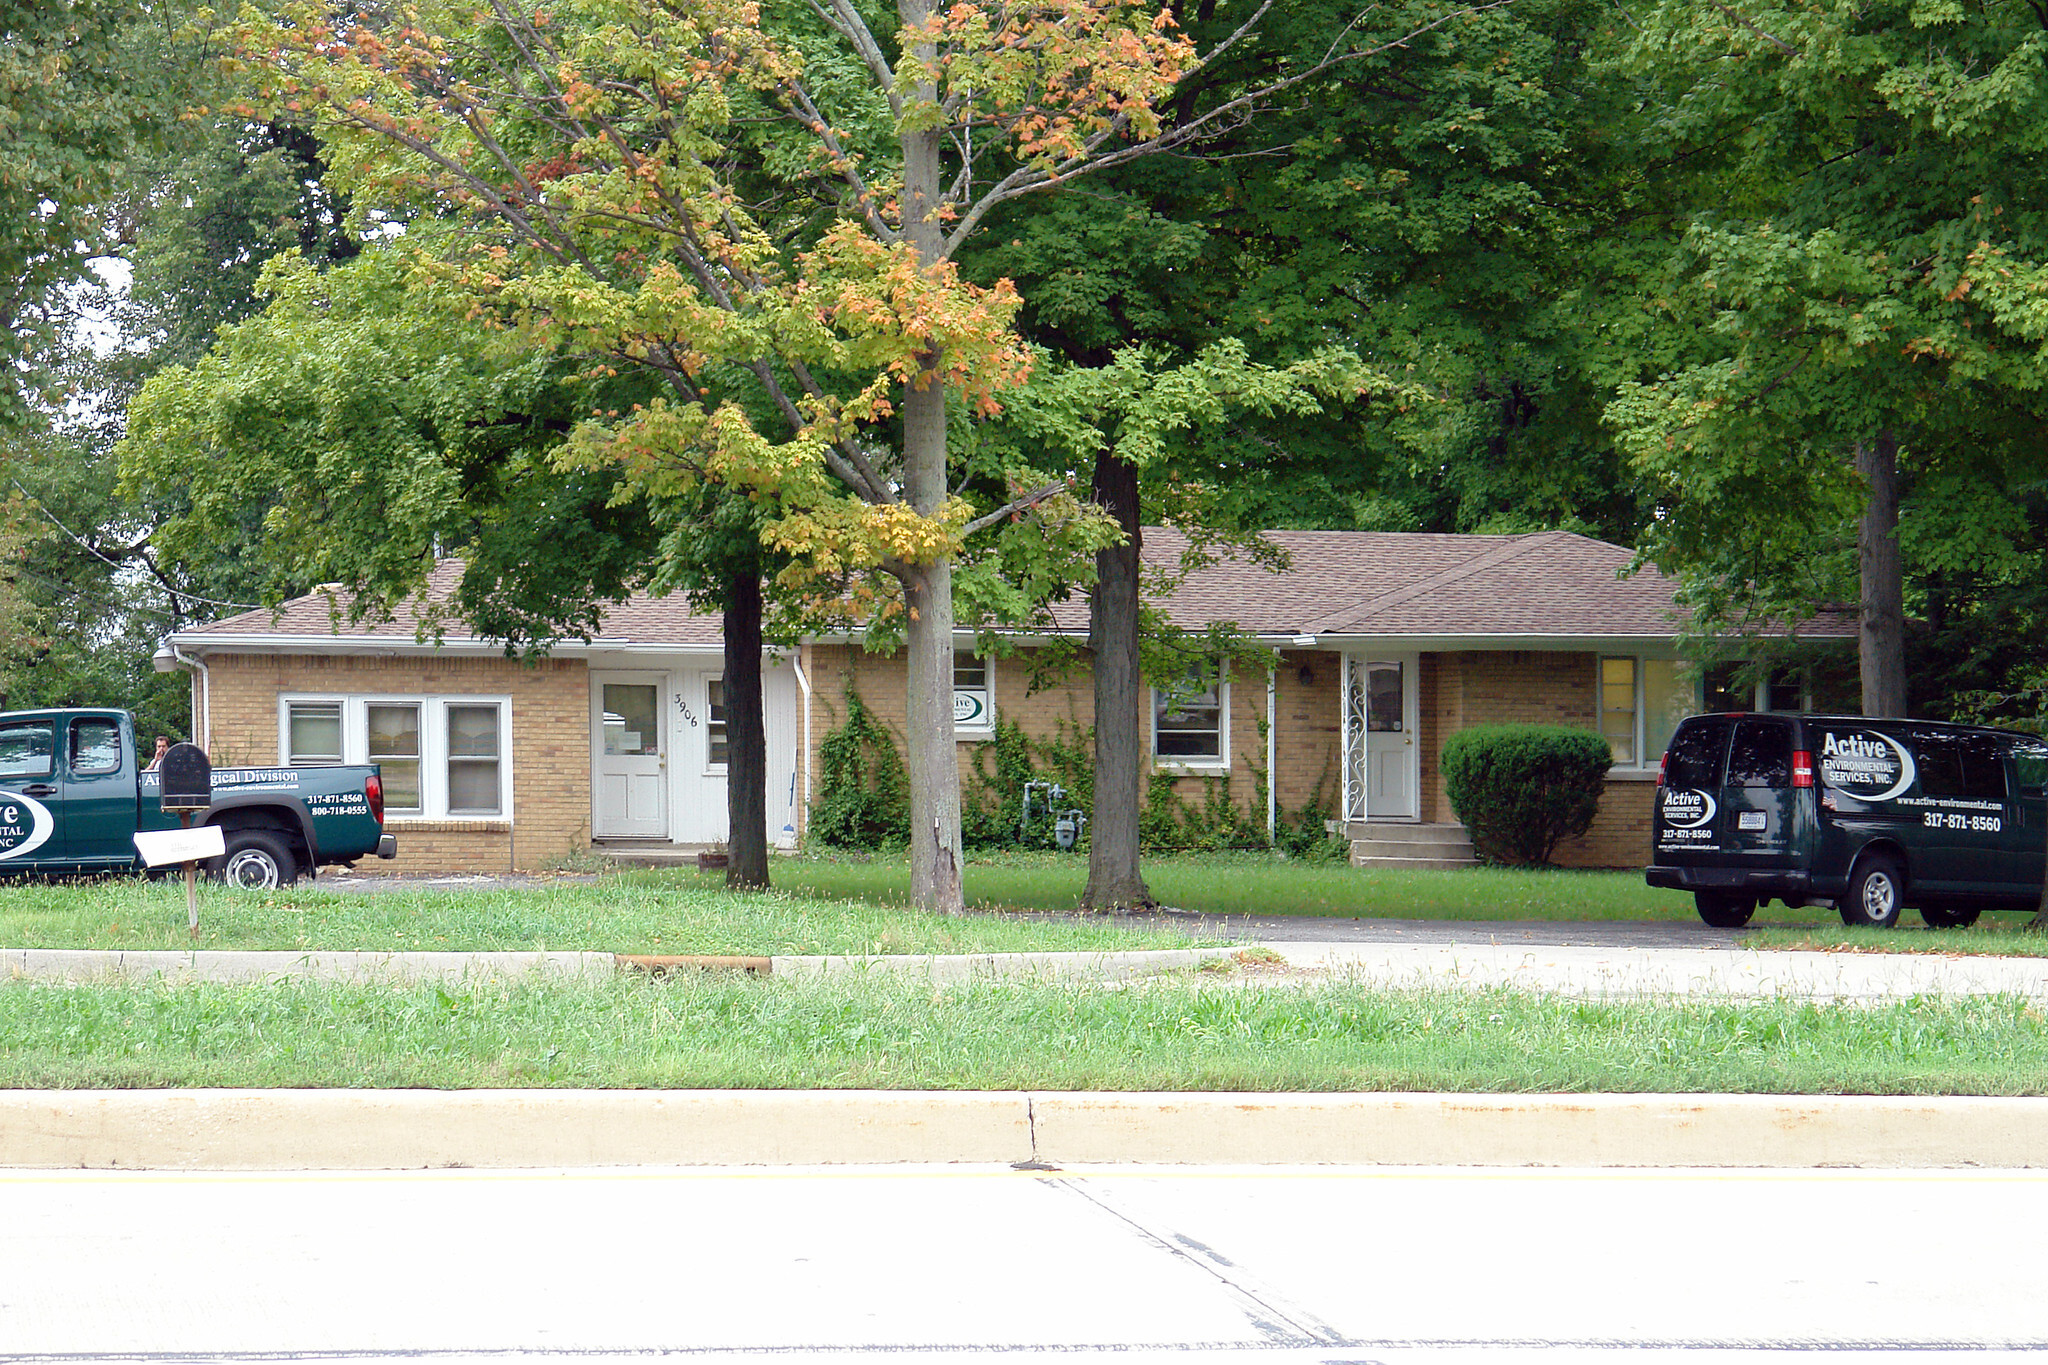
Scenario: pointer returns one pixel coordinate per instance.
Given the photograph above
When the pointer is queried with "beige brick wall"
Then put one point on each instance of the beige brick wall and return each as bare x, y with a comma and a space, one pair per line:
1538, 687
1306, 717
550, 746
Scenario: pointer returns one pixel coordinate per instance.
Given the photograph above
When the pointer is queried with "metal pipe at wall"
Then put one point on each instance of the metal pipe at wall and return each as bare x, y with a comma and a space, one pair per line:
1272, 749
202, 698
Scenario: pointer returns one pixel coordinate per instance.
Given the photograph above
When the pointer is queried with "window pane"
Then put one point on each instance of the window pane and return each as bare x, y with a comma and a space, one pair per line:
1940, 764
714, 729
95, 747
2030, 767
1784, 692
1694, 760
1383, 710
1618, 707
314, 732
394, 731
473, 731
1983, 769
970, 692
28, 749
1761, 755
1719, 692
1667, 700
1193, 727
473, 760
473, 786
631, 726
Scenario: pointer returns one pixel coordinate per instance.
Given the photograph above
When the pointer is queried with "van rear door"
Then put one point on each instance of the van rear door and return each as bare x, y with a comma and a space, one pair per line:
1759, 811
1685, 822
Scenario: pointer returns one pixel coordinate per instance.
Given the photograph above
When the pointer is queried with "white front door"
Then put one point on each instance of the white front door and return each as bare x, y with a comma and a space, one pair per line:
1382, 772
632, 756
698, 710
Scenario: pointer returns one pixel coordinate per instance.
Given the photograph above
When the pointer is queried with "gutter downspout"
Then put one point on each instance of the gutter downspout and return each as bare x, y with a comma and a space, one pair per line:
803, 682
1272, 750
202, 687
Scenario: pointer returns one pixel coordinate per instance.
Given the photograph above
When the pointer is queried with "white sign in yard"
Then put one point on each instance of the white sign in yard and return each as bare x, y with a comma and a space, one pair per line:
161, 846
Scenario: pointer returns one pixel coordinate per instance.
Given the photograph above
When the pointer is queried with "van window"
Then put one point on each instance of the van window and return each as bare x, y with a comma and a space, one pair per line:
2030, 767
1694, 758
1761, 755
1983, 773
1940, 763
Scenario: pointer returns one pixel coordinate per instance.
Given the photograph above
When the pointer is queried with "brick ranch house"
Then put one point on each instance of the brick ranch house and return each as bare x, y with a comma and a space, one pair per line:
1384, 644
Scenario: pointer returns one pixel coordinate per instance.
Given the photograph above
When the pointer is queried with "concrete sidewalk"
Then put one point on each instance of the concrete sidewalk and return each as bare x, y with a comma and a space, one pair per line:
402, 1129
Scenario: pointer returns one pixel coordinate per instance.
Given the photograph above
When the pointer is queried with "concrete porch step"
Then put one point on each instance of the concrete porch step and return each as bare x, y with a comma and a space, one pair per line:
1413, 864
1430, 847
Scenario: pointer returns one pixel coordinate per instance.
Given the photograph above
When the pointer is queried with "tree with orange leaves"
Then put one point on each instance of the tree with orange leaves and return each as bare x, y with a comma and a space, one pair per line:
761, 204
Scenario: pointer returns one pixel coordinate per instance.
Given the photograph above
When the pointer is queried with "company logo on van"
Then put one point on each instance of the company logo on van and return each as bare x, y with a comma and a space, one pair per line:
1687, 809
1866, 765
25, 825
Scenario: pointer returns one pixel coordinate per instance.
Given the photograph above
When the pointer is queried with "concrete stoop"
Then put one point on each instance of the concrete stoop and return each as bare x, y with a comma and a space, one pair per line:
1419, 847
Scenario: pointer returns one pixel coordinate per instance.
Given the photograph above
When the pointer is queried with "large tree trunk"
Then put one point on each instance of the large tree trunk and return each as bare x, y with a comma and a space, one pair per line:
746, 739
928, 587
1114, 881
1882, 644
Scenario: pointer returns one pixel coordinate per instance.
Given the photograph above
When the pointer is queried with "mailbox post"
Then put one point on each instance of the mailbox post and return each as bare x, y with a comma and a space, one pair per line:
187, 788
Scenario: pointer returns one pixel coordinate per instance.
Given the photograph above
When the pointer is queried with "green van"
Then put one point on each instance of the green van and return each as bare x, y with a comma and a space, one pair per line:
1869, 816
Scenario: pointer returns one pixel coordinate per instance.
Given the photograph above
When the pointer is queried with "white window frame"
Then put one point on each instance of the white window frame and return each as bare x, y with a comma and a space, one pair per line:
986, 726
1644, 763
434, 756
712, 767
1204, 763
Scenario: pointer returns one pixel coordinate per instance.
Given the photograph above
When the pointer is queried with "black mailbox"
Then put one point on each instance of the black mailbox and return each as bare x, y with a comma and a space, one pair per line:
187, 779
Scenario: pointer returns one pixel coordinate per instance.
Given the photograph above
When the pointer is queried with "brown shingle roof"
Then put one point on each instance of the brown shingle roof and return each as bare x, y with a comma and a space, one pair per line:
1549, 583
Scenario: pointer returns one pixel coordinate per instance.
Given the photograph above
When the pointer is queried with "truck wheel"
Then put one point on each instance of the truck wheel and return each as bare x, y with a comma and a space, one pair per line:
1723, 911
1952, 917
1877, 891
257, 859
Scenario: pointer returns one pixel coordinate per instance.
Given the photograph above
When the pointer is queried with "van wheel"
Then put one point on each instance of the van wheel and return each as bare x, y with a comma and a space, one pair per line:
1877, 891
1723, 911
256, 859
1952, 918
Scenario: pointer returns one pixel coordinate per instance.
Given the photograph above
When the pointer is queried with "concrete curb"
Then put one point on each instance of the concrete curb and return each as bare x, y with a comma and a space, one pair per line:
1007, 966
406, 1129
82, 965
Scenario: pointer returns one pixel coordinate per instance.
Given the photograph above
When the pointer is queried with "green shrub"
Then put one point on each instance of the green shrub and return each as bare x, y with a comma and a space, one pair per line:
1521, 788
863, 788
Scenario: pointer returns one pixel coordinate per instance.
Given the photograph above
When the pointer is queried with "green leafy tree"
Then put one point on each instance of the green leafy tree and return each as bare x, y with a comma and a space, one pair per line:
1867, 288
779, 190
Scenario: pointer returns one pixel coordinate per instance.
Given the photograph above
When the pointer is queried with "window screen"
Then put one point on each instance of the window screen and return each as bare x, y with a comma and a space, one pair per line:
473, 760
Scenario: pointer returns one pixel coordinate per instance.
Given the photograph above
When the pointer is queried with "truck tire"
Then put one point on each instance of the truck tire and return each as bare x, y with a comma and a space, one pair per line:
256, 859
1723, 910
1877, 892
1949, 917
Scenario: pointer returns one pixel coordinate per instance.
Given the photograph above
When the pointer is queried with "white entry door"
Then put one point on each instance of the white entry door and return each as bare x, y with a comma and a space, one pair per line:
1382, 768
698, 710
632, 758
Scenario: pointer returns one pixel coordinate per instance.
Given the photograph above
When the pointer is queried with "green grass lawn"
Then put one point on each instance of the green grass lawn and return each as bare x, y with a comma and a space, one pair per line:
631, 912
719, 1031
1996, 934
1262, 884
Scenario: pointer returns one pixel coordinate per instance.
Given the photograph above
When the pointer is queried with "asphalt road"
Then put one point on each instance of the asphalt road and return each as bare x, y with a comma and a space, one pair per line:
968, 1263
